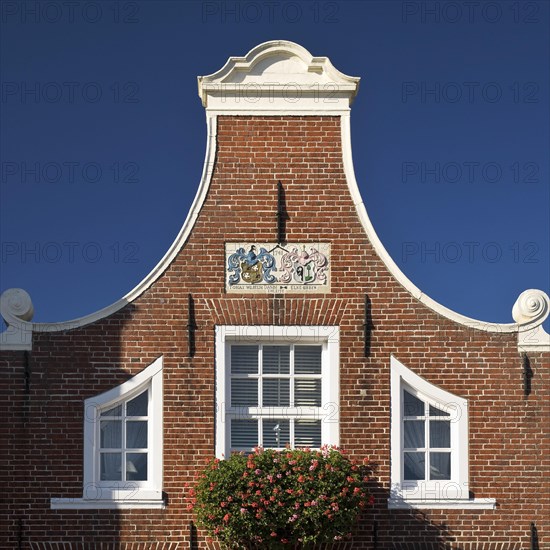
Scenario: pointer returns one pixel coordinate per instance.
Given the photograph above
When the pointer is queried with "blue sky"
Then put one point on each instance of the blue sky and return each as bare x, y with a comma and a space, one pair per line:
103, 137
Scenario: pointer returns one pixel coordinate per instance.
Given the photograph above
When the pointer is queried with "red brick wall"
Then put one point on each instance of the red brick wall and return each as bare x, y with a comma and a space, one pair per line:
42, 432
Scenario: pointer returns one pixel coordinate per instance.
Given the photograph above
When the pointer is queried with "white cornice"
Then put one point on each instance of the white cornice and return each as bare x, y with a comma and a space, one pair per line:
277, 76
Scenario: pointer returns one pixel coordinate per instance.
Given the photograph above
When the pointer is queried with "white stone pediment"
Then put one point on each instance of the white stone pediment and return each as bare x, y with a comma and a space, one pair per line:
278, 76
282, 69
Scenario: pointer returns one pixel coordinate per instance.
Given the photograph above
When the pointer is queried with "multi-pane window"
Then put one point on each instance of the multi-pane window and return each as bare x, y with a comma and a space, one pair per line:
426, 440
123, 440
429, 441
123, 445
276, 386
275, 396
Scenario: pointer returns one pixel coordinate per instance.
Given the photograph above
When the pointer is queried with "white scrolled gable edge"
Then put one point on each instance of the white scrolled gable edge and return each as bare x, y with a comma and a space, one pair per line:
529, 319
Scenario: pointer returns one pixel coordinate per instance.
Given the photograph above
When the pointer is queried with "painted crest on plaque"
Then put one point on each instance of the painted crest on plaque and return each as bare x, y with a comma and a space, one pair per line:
305, 268
251, 267
272, 267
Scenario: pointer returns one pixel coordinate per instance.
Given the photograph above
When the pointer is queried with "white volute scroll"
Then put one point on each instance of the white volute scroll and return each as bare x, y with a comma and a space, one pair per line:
15, 307
531, 310
278, 77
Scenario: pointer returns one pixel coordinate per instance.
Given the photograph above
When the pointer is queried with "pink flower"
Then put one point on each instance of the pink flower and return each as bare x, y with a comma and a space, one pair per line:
226, 517
243, 511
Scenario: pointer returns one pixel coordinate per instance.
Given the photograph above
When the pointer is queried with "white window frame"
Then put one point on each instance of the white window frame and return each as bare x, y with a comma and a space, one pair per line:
327, 336
453, 493
123, 494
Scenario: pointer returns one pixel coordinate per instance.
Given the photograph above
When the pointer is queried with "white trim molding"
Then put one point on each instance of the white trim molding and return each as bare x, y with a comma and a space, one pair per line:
327, 336
21, 327
123, 494
278, 78
110, 504
449, 493
396, 503
533, 316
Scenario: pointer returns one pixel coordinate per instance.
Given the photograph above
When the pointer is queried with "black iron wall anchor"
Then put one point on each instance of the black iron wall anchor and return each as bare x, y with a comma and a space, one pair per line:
191, 325
534, 537
367, 326
281, 214
191, 533
27, 371
527, 374
20, 535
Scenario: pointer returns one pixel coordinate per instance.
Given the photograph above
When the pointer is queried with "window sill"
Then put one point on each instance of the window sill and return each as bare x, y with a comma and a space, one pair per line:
106, 504
434, 504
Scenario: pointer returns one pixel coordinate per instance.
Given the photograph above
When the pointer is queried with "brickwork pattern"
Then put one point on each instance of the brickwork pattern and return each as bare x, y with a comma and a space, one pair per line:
42, 428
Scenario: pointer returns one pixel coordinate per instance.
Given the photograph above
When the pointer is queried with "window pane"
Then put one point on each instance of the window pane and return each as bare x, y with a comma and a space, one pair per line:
272, 428
414, 466
307, 433
440, 433
440, 465
138, 405
244, 434
136, 435
412, 406
437, 412
115, 411
307, 393
244, 359
414, 434
110, 466
276, 392
111, 434
136, 466
276, 359
307, 359
244, 391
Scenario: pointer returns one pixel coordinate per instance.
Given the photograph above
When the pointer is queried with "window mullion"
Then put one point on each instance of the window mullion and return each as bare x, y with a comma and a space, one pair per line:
292, 421
260, 377
123, 444
427, 438
292, 379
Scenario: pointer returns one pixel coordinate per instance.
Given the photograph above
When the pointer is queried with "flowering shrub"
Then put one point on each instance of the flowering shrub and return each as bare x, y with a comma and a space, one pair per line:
277, 498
